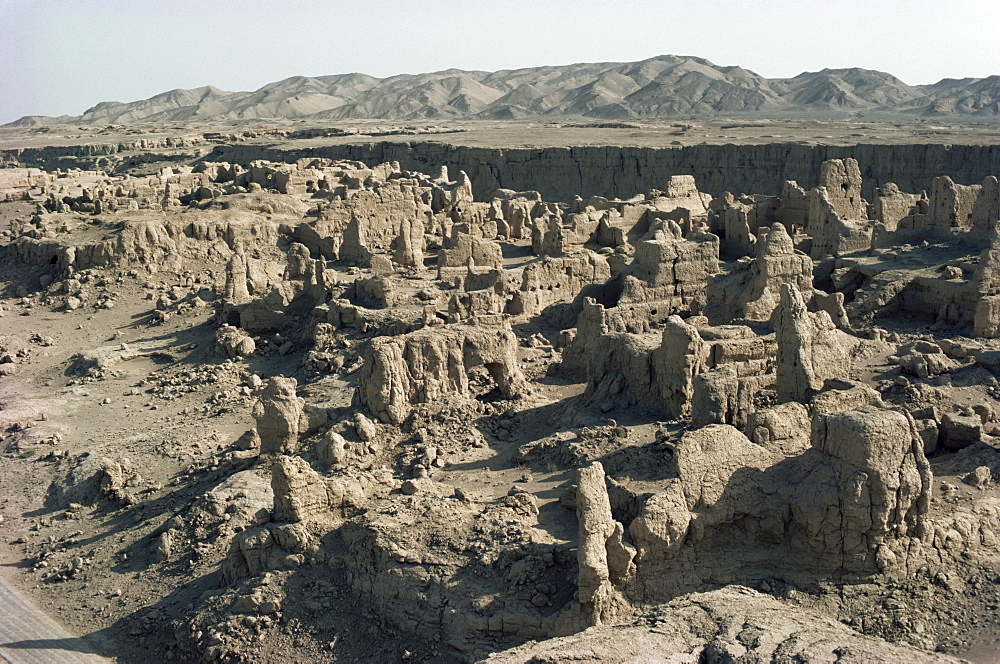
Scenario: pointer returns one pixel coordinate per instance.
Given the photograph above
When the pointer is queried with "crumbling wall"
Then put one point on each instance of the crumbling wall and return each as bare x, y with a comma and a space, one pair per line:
752, 290
465, 248
672, 269
841, 178
557, 280
432, 364
951, 204
893, 205
810, 348
844, 508
832, 235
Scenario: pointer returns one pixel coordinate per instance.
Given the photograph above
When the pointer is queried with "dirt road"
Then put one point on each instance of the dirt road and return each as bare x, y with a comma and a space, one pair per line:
28, 636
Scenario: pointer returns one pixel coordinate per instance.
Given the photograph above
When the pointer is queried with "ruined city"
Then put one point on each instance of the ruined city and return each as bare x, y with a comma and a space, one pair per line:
414, 392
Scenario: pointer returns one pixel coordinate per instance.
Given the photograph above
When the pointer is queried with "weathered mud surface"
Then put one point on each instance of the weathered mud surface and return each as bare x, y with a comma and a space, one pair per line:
343, 411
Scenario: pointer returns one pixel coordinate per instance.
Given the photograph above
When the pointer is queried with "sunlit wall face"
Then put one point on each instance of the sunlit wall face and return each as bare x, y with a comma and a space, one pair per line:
63, 56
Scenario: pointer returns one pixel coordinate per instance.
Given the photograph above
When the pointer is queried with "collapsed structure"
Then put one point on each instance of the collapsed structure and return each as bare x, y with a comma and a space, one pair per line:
750, 335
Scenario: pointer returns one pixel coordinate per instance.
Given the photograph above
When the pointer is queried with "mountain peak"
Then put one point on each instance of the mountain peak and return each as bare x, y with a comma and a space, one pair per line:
658, 87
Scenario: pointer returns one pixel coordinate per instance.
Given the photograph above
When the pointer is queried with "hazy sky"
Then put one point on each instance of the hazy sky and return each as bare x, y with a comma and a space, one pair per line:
63, 56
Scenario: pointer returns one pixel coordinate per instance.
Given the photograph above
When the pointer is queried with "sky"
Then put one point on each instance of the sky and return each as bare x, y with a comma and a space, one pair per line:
63, 56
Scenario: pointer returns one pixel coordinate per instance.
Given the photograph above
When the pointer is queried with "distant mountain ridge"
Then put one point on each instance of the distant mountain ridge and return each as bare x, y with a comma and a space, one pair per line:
657, 88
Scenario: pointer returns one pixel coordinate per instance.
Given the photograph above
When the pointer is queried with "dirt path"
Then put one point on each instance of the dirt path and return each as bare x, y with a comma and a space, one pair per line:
28, 636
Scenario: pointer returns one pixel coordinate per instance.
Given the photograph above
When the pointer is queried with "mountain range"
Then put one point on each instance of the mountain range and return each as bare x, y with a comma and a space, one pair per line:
657, 88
